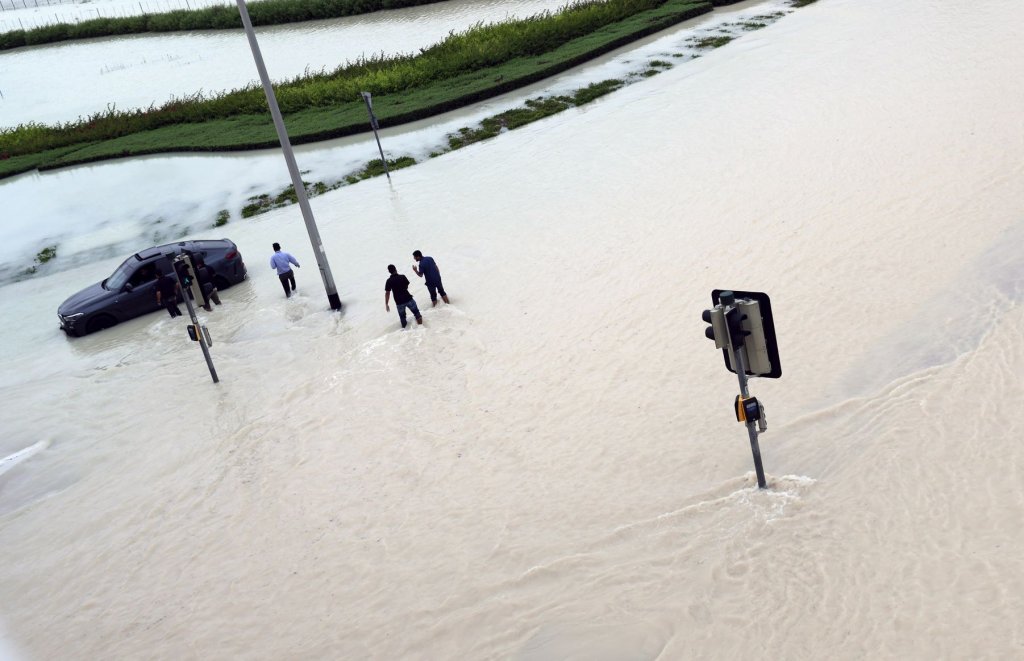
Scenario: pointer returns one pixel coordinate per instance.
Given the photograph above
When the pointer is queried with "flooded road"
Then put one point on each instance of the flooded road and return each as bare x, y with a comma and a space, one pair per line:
549, 468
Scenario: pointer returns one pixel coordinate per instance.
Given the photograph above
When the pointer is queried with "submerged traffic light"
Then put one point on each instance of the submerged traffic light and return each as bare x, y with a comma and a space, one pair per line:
186, 274
744, 319
742, 327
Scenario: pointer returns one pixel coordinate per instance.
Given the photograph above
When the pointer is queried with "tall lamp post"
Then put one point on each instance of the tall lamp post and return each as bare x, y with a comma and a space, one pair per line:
289, 157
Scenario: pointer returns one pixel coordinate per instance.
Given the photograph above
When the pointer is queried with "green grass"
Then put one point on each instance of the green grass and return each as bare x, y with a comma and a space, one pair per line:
223, 216
46, 254
468, 67
257, 204
712, 42
375, 168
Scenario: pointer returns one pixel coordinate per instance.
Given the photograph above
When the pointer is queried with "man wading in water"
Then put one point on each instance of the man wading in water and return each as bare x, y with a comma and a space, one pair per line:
428, 271
399, 284
281, 261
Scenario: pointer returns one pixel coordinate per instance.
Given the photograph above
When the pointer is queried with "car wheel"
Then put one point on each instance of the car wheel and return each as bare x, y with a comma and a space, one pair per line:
99, 322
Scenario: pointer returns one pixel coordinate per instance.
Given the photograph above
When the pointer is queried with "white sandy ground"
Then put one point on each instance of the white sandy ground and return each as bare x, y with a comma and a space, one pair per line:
549, 468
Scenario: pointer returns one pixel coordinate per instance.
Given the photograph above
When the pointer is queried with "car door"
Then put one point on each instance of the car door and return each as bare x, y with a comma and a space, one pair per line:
138, 296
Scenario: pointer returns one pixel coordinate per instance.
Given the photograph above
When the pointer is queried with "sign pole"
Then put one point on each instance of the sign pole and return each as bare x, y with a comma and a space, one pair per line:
375, 126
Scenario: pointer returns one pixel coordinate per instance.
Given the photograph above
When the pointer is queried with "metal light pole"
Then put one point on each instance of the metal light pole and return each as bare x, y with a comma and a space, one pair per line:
289, 157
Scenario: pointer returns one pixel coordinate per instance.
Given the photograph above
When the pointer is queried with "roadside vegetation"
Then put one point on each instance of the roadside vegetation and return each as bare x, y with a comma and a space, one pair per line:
222, 219
45, 255
264, 12
484, 61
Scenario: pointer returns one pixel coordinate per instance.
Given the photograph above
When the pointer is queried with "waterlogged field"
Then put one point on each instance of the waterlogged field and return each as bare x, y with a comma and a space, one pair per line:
262, 13
522, 50
28, 14
63, 82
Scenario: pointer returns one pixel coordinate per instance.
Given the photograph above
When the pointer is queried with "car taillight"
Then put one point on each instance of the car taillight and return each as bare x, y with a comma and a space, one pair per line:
231, 254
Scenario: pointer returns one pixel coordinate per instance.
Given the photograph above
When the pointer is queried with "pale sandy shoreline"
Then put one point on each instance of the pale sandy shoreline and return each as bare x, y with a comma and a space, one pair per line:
549, 469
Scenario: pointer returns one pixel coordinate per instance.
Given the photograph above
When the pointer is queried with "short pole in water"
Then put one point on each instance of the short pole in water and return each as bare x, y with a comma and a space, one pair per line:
755, 448
374, 125
195, 322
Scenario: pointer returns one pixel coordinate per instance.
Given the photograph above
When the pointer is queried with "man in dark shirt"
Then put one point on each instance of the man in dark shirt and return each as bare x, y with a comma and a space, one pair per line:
428, 271
205, 277
167, 289
399, 284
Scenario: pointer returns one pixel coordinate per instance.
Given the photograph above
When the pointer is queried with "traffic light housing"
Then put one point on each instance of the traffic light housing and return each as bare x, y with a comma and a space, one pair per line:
744, 319
187, 275
717, 331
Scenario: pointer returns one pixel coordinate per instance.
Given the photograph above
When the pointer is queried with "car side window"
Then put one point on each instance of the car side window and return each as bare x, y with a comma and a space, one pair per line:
145, 274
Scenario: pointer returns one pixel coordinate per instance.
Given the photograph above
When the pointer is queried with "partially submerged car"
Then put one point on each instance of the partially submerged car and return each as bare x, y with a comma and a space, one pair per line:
130, 291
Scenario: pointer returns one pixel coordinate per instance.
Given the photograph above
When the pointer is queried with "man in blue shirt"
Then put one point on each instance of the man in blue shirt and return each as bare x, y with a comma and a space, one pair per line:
282, 261
429, 272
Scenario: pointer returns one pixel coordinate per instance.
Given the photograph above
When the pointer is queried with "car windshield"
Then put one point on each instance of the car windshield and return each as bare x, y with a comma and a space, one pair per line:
121, 274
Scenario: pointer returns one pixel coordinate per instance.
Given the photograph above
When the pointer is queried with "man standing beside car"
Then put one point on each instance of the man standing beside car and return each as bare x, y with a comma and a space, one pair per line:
205, 277
282, 261
167, 290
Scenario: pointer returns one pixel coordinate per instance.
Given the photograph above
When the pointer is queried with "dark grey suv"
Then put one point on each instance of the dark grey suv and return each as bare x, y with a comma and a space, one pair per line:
129, 291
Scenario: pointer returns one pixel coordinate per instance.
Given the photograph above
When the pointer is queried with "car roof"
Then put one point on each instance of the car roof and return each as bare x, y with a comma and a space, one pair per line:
199, 244
156, 251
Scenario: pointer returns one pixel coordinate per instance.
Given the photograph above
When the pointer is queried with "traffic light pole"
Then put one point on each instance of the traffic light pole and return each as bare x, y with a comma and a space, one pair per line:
742, 326
195, 324
741, 373
202, 339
